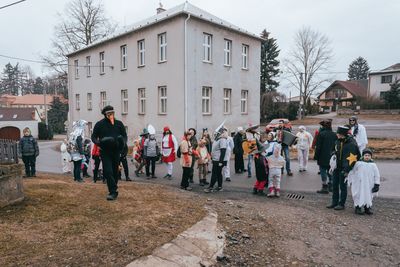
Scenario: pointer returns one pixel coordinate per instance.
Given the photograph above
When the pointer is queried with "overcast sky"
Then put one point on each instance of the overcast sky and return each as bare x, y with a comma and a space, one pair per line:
367, 28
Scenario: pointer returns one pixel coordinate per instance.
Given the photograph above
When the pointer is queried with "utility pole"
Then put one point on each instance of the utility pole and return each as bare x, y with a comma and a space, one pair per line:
300, 96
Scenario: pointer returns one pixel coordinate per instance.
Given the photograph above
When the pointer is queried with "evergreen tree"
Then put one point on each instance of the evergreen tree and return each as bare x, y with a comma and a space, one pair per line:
269, 63
358, 69
10, 82
38, 86
392, 97
57, 115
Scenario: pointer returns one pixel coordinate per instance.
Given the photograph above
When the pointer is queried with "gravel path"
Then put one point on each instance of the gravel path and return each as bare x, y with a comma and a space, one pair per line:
289, 232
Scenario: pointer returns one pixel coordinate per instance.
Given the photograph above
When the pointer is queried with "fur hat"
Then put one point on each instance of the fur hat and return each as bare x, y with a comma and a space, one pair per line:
107, 109
367, 151
343, 130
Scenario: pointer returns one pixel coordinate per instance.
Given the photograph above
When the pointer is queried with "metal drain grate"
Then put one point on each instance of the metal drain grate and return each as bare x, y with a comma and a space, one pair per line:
294, 196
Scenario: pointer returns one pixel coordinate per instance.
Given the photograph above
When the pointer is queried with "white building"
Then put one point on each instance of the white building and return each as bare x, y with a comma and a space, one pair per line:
379, 81
182, 67
14, 120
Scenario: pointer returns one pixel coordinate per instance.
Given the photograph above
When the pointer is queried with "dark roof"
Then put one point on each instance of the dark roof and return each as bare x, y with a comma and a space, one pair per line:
356, 88
17, 114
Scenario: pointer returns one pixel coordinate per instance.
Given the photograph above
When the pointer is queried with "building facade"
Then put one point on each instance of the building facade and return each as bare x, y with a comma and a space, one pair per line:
379, 81
183, 67
342, 94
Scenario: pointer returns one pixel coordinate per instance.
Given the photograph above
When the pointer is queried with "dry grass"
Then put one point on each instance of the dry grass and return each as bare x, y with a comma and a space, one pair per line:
62, 223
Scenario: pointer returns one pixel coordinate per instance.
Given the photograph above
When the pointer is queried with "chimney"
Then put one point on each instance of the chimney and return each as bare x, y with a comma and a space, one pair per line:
160, 9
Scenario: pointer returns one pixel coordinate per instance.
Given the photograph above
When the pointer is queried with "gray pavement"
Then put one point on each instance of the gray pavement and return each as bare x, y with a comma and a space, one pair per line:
49, 160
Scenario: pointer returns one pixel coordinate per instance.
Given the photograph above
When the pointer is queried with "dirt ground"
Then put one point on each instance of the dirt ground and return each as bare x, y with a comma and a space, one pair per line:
62, 223
291, 232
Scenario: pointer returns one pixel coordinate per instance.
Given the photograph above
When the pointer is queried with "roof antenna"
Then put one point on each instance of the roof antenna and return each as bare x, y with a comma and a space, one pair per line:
160, 8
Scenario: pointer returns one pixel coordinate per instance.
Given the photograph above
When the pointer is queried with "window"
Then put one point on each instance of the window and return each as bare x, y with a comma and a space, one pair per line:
124, 58
245, 54
88, 66
386, 79
382, 95
207, 44
243, 101
141, 53
77, 102
162, 51
227, 101
89, 101
227, 52
103, 99
162, 103
76, 65
102, 66
206, 100
142, 100
124, 101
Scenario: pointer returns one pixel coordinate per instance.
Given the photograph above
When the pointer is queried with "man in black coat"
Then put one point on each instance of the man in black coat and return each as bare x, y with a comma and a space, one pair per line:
347, 154
110, 135
324, 147
238, 150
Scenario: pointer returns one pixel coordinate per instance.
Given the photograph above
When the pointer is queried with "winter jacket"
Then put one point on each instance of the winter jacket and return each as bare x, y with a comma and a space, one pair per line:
347, 154
238, 140
108, 136
28, 146
324, 146
150, 148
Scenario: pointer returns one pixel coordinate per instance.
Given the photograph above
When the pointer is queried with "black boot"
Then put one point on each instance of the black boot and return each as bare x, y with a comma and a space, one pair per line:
255, 191
358, 211
368, 211
201, 182
205, 182
261, 193
324, 189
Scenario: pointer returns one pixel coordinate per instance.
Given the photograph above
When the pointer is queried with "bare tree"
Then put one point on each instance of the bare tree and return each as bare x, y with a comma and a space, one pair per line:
310, 57
83, 22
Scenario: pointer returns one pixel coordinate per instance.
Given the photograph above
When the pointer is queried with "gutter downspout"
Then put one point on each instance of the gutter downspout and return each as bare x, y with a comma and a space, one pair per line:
185, 77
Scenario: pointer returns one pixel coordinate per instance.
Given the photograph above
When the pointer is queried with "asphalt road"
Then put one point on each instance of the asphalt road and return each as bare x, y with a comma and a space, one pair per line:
49, 160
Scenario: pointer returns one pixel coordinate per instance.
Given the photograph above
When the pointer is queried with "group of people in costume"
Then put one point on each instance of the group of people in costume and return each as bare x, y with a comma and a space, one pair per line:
342, 157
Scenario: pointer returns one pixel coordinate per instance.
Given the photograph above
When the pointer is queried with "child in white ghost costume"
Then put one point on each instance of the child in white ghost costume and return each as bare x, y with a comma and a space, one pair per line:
65, 157
364, 179
275, 164
304, 142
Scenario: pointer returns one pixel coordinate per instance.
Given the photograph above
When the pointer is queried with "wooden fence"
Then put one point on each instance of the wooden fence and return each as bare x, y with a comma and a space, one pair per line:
8, 151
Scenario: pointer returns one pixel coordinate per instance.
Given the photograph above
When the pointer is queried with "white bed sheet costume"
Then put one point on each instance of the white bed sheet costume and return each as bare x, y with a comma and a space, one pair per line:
362, 179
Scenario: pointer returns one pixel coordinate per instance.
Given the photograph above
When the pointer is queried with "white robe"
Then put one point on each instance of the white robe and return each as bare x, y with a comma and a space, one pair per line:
362, 179
65, 158
361, 137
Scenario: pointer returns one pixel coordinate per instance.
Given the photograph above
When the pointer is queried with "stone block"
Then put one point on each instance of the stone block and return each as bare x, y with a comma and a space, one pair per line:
11, 186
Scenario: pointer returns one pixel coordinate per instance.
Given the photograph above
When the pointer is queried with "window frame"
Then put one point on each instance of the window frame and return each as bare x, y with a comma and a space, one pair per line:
102, 63
124, 102
228, 53
103, 100
77, 101
141, 53
124, 57
244, 102
227, 101
162, 99
207, 47
162, 47
387, 78
206, 100
89, 101
141, 101
88, 68
245, 56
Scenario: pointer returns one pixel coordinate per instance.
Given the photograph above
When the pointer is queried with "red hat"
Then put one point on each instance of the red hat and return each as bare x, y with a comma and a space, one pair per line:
166, 128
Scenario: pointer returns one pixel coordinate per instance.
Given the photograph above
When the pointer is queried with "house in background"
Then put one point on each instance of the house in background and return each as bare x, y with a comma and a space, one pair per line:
39, 102
14, 120
379, 81
182, 67
342, 94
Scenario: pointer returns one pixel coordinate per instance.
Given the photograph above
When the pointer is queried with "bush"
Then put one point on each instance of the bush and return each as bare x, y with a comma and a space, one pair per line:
45, 133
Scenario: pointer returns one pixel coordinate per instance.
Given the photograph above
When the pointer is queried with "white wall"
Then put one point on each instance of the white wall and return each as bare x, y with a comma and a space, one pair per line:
375, 85
33, 125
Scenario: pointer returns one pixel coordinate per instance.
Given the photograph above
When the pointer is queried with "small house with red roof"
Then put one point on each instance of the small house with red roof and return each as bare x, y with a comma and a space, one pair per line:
343, 94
